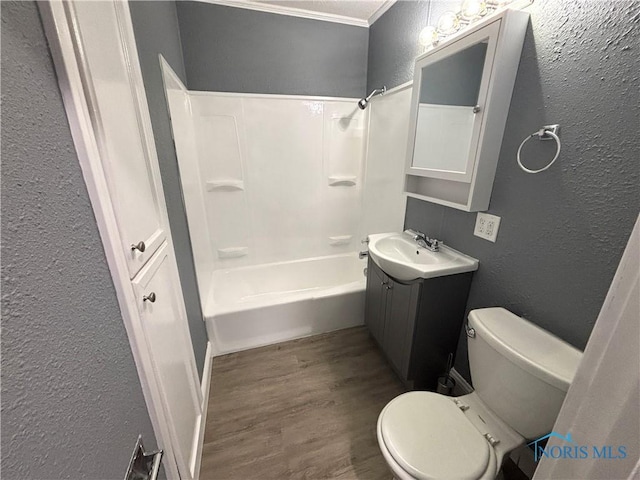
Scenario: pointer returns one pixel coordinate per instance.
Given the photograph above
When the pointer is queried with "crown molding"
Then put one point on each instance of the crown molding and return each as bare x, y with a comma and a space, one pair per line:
301, 13
381, 11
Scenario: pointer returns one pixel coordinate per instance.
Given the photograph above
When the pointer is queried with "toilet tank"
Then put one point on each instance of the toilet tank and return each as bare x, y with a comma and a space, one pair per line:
519, 370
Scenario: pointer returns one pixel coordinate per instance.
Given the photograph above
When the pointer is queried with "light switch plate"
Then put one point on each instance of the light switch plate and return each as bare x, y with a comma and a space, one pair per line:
487, 226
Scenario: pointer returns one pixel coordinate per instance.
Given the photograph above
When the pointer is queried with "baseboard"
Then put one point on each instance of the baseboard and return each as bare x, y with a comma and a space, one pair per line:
462, 386
205, 388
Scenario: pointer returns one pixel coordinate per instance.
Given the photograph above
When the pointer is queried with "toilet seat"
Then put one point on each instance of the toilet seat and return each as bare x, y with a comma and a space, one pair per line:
429, 437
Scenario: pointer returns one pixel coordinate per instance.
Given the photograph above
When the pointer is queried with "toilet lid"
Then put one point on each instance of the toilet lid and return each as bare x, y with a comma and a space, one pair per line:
430, 438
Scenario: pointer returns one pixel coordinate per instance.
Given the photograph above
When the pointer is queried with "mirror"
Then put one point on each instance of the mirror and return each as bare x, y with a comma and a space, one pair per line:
448, 104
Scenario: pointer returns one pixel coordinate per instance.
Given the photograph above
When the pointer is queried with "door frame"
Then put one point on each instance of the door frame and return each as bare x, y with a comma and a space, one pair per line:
57, 17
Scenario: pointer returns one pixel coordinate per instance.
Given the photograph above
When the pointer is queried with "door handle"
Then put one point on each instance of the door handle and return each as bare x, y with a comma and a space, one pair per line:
139, 246
151, 297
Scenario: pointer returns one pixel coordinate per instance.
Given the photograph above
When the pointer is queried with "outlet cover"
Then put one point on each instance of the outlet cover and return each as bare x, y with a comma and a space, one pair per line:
487, 226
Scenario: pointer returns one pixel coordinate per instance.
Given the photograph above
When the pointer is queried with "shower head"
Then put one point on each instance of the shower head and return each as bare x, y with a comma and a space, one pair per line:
363, 102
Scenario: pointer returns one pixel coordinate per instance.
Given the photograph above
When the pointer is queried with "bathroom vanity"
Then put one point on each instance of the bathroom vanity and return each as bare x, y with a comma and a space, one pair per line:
416, 321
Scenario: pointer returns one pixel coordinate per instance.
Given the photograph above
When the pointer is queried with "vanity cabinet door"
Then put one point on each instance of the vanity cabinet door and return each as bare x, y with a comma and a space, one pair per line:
376, 294
400, 316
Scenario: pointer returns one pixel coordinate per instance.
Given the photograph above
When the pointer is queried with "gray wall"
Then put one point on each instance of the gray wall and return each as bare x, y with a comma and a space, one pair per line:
69, 382
237, 50
563, 231
156, 29
393, 44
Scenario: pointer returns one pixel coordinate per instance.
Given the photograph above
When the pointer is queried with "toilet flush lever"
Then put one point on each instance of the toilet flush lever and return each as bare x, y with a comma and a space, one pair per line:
471, 332
491, 439
462, 406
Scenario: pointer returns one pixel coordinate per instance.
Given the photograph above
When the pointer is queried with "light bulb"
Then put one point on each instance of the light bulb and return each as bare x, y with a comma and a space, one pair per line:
473, 9
448, 23
498, 4
428, 36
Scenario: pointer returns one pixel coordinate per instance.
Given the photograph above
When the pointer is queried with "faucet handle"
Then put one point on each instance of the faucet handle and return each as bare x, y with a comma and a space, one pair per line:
416, 234
434, 244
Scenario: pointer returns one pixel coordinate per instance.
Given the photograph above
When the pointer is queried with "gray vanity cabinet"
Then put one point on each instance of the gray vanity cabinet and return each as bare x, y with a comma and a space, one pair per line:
400, 308
416, 324
375, 301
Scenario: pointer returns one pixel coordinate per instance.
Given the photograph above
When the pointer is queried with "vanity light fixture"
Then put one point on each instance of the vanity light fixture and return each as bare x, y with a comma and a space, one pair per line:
473, 9
470, 11
428, 36
448, 23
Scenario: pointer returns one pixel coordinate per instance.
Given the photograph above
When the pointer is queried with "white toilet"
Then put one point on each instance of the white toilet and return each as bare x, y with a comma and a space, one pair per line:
521, 374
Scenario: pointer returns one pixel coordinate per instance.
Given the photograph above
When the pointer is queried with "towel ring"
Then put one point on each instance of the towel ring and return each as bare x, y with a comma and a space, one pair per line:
545, 133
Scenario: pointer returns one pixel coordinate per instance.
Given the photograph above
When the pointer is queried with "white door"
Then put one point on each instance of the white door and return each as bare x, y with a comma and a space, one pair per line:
95, 53
108, 69
162, 323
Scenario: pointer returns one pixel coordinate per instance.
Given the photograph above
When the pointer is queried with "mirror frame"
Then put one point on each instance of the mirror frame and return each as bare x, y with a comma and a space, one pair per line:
488, 33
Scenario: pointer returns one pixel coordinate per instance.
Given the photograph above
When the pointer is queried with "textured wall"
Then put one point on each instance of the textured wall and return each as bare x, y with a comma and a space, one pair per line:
69, 382
563, 231
230, 49
156, 30
393, 44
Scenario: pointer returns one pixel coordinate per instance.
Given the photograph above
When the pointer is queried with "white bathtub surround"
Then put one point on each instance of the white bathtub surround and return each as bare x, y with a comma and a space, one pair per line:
279, 191
384, 201
281, 175
192, 191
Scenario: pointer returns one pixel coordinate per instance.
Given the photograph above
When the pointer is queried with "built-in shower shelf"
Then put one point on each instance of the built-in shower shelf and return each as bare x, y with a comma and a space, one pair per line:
340, 240
342, 181
233, 252
224, 185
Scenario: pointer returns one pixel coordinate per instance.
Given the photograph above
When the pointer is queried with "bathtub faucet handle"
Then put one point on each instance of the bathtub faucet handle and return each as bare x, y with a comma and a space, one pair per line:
365, 241
362, 255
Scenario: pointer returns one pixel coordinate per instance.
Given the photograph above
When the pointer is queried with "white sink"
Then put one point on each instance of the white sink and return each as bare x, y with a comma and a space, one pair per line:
400, 257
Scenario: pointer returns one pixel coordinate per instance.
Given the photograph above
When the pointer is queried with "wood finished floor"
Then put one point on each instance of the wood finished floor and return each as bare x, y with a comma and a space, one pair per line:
302, 409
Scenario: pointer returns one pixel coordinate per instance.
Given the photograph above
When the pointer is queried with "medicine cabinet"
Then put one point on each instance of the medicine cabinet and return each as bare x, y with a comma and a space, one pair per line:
460, 102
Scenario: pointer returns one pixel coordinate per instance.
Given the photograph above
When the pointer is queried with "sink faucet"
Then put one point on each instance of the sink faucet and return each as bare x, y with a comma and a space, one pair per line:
423, 241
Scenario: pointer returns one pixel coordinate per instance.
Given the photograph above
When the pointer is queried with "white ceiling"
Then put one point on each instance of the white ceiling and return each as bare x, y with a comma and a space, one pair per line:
359, 9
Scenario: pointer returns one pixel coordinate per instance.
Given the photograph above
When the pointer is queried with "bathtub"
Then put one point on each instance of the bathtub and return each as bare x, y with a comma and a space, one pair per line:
248, 307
